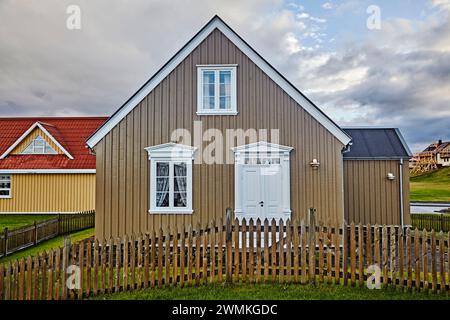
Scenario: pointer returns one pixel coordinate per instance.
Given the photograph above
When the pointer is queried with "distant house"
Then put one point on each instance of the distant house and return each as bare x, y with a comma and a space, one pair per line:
149, 175
434, 156
45, 166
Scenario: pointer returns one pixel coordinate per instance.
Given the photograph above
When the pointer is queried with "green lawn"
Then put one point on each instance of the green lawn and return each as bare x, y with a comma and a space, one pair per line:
432, 187
14, 221
49, 244
270, 292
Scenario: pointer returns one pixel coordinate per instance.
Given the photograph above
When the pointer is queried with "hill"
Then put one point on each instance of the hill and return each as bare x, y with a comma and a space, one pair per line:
433, 186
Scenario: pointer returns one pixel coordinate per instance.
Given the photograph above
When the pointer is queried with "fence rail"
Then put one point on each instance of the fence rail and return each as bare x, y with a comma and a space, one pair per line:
21, 238
235, 252
431, 221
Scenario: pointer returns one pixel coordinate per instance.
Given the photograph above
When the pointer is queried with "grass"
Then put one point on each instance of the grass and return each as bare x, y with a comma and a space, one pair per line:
270, 292
49, 244
431, 187
14, 221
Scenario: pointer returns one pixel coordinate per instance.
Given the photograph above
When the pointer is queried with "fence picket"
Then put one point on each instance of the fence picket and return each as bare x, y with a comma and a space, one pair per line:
251, 253
88, 267
139, 278
288, 250
182, 257
118, 263
22, 277
244, 250
337, 256
417, 258
2, 280
433, 262
296, 251
153, 259
15, 282
50, 280
197, 254
321, 246
274, 250
175, 256
409, 257
205, 256
258, 250
57, 293
281, 260
167, 260
212, 252
266, 250
345, 248
236, 250
96, 264
360, 255
160, 257
110, 265
401, 263
8, 281
81, 266
441, 263
393, 257
189, 256
425, 260
353, 254
369, 248
329, 241
385, 254
220, 251
303, 251
132, 260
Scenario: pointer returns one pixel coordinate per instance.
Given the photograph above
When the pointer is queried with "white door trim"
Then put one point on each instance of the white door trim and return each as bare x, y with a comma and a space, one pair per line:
262, 150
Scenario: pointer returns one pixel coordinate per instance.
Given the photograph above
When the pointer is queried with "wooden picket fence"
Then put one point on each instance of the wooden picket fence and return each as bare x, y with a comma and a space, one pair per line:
235, 252
431, 221
28, 236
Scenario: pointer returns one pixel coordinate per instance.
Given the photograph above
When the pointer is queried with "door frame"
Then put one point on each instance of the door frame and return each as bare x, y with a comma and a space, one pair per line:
257, 150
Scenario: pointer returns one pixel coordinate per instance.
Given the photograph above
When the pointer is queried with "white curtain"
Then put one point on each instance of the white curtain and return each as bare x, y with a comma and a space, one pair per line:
162, 170
180, 179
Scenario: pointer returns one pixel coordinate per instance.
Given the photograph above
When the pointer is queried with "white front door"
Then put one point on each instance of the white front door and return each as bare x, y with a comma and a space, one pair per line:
262, 192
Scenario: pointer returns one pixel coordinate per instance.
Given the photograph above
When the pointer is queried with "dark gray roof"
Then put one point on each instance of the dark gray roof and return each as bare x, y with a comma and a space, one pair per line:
377, 143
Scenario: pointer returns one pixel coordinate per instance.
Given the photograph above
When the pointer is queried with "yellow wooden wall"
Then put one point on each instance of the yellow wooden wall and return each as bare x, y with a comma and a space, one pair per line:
31, 136
50, 193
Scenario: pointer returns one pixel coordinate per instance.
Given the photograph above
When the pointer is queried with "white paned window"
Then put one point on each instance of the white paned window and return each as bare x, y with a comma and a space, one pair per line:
171, 178
5, 186
39, 146
216, 90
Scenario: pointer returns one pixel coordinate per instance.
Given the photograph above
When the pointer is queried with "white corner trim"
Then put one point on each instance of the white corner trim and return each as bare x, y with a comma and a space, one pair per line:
26, 133
217, 23
45, 171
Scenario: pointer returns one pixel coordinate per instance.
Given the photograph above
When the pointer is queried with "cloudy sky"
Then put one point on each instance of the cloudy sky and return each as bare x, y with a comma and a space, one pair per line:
398, 75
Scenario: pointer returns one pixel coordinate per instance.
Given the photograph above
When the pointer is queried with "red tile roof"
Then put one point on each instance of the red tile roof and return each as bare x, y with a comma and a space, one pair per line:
70, 132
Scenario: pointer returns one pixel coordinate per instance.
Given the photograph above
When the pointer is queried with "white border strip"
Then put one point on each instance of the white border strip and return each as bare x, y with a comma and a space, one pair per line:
216, 23
50, 171
26, 133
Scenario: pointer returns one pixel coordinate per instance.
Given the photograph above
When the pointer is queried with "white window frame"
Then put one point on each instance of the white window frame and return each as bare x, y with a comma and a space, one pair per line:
233, 87
33, 145
9, 196
171, 153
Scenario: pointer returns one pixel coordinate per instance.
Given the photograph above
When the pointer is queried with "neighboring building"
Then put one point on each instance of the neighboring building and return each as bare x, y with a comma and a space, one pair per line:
434, 156
45, 166
149, 175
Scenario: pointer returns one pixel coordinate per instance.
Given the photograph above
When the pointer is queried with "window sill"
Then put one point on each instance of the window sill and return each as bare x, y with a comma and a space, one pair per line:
217, 113
170, 211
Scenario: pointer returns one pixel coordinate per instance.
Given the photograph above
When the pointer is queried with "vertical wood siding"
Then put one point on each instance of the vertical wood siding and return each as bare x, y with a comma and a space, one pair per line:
122, 200
50, 193
370, 197
33, 134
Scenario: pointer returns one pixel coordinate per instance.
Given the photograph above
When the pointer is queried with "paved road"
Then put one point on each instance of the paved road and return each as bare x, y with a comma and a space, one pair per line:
428, 207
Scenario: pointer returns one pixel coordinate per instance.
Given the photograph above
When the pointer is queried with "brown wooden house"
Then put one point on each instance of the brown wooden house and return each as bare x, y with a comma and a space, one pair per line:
217, 126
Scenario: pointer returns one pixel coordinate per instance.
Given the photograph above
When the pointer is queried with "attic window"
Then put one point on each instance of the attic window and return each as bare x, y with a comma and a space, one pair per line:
216, 88
39, 146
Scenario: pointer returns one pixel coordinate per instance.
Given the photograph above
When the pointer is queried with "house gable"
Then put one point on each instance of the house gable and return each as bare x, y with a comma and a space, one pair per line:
37, 129
37, 132
218, 24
